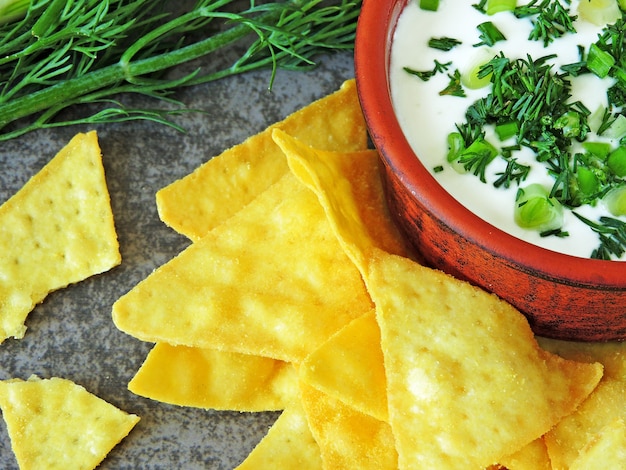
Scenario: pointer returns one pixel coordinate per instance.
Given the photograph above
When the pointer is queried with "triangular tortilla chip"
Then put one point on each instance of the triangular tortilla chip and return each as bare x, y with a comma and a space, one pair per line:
533, 456
222, 186
464, 370
350, 189
604, 405
206, 378
271, 281
606, 450
57, 424
349, 367
57, 230
288, 444
347, 438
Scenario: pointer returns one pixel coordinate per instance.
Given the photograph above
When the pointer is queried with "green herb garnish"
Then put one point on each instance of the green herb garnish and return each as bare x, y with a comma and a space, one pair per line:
426, 75
443, 43
550, 18
89, 52
454, 87
612, 234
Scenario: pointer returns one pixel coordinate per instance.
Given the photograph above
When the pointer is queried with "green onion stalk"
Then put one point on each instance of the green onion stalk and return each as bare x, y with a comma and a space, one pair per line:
11, 10
56, 54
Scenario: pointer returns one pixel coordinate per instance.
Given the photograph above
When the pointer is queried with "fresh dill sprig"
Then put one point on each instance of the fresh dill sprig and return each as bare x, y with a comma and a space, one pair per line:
454, 87
514, 172
426, 75
612, 234
550, 18
63, 53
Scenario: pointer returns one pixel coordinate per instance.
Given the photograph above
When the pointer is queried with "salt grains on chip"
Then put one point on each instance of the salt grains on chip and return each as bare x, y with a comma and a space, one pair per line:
57, 424
210, 379
288, 444
271, 281
228, 182
577, 431
57, 230
467, 383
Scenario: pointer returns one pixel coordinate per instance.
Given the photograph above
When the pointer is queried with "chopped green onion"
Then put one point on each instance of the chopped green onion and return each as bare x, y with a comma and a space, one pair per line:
598, 149
496, 6
599, 12
535, 210
430, 5
472, 77
587, 181
615, 201
456, 144
489, 34
599, 62
506, 130
477, 156
617, 161
569, 123
617, 129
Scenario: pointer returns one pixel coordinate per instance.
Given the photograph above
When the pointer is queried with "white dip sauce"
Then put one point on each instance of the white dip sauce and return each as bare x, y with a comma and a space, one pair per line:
427, 118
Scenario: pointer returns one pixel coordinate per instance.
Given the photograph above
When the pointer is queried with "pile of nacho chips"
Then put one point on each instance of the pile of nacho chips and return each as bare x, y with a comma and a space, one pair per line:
298, 294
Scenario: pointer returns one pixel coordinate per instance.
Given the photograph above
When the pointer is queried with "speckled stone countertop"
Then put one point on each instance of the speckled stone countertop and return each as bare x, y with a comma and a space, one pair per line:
71, 333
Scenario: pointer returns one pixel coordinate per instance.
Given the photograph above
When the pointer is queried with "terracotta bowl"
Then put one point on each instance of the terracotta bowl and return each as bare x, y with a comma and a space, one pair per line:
563, 296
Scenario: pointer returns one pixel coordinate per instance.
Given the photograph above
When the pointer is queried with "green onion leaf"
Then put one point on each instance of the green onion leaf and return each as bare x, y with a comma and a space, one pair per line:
617, 161
615, 201
599, 62
496, 6
430, 5
489, 34
535, 210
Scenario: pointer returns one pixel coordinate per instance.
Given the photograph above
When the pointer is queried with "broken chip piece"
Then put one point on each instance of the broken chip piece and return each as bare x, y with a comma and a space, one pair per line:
57, 230
57, 424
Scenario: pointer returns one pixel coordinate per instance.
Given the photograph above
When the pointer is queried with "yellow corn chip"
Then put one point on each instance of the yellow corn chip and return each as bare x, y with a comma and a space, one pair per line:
347, 438
271, 281
222, 186
349, 367
288, 444
350, 189
57, 230
463, 370
606, 450
57, 424
604, 405
206, 378
533, 456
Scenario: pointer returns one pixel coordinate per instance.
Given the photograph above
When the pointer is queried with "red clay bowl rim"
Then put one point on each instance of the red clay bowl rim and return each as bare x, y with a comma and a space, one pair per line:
371, 67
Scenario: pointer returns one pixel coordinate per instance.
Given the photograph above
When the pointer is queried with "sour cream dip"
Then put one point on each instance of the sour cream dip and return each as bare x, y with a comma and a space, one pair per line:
427, 118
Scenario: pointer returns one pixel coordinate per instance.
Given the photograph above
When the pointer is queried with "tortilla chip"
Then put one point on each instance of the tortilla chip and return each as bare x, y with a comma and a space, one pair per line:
347, 438
288, 444
225, 184
57, 230
271, 281
349, 367
604, 405
204, 378
533, 456
464, 370
606, 450
350, 189
57, 424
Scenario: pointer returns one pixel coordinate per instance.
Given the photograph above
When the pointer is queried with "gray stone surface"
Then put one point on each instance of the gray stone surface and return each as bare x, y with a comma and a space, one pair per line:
71, 334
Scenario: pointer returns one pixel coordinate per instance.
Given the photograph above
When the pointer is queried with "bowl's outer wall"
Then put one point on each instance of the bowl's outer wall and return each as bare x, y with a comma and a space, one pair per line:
580, 309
